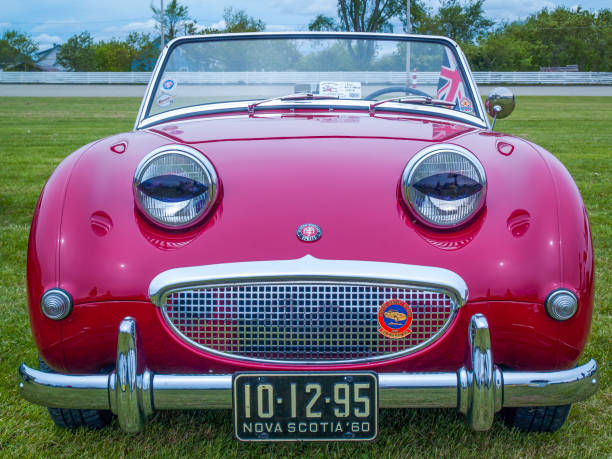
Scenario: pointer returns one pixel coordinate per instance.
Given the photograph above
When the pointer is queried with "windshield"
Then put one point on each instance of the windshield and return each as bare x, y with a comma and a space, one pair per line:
211, 71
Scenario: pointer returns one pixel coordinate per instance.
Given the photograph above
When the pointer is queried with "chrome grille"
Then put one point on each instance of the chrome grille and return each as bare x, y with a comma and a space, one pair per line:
303, 322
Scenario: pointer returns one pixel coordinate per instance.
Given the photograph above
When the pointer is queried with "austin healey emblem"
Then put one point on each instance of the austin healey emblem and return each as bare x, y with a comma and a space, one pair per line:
308, 232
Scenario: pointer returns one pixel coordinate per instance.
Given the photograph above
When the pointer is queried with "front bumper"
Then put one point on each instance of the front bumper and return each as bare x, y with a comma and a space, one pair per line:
478, 389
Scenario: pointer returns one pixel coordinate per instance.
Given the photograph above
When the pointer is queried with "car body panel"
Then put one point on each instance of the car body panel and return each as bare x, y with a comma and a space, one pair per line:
341, 171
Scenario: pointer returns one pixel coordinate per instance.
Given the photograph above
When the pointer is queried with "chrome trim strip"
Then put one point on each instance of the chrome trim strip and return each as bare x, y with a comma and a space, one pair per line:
550, 388
57, 390
480, 118
242, 106
309, 269
396, 390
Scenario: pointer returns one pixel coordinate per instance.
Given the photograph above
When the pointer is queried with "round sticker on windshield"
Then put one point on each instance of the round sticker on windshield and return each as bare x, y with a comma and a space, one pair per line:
169, 85
165, 100
466, 105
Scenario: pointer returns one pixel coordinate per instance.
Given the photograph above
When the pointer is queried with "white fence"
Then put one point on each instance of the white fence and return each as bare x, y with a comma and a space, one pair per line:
511, 78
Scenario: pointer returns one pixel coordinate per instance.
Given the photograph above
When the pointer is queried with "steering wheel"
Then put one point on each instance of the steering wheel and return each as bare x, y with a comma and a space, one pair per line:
404, 89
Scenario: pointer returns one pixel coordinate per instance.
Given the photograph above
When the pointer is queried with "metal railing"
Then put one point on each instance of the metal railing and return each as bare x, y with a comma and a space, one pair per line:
511, 78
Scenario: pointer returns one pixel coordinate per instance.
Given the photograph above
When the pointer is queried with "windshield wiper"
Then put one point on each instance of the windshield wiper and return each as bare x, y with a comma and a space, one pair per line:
412, 100
298, 96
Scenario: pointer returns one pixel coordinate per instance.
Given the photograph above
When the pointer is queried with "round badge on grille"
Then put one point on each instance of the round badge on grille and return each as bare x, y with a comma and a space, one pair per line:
394, 318
308, 232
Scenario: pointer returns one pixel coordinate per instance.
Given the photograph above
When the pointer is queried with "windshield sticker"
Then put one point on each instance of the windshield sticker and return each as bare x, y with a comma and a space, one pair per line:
169, 85
341, 89
165, 99
466, 105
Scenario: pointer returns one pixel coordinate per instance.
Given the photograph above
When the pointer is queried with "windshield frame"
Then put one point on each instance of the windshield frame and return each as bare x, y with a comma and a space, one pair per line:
479, 118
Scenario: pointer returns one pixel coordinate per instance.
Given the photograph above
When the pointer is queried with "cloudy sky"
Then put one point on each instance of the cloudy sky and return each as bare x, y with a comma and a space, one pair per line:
51, 22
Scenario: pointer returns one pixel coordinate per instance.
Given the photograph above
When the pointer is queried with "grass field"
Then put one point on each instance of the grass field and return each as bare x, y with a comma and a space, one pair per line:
36, 134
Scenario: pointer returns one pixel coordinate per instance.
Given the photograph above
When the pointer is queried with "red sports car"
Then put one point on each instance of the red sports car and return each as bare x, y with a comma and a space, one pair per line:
305, 228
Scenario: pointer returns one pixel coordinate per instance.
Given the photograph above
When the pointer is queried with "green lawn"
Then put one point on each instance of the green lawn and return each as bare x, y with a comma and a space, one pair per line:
36, 134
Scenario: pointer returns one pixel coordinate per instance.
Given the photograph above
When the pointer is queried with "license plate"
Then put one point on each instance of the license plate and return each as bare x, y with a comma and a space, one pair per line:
305, 406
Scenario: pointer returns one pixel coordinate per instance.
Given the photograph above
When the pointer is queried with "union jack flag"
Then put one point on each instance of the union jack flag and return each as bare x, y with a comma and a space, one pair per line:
450, 84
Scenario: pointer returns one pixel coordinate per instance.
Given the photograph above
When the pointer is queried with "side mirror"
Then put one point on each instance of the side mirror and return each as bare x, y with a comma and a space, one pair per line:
499, 103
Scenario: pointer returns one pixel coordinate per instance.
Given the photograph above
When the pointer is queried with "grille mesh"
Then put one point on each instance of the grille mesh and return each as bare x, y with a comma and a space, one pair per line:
303, 321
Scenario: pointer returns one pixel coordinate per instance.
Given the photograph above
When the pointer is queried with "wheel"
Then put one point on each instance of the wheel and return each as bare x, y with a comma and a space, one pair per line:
390, 89
68, 418
536, 418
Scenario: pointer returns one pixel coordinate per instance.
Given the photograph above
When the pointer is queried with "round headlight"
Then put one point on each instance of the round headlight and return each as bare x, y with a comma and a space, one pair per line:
561, 304
175, 186
444, 185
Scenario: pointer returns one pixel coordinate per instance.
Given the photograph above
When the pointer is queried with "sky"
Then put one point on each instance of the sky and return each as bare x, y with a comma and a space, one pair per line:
50, 22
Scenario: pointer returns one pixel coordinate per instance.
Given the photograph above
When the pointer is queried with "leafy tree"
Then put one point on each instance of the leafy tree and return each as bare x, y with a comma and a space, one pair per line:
361, 16
237, 21
191, 28
136, 53
144, 51
17, 51
368, 15
77, 54
464, 22
548, 38
419, 14
176, 16
323, 23
113, 56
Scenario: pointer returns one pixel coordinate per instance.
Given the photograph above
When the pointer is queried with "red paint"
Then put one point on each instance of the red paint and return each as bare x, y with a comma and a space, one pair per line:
279, 171
518, 222
100, 223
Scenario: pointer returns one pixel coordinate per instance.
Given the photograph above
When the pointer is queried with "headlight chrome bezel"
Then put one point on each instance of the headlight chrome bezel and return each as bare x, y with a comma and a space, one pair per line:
418, 159
200, 160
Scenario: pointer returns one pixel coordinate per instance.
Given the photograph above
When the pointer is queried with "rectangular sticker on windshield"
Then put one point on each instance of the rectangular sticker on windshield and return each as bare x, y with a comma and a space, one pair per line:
341, 89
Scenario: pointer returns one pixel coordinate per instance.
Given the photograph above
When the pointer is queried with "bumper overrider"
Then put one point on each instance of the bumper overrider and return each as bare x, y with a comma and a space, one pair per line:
478, 389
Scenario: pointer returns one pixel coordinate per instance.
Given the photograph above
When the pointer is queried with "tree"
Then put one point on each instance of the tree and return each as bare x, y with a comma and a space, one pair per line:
112, 56
17, 51
419, 14
144, 51
548, 38
237, 21
323, 23
463, 22
176, 16
361, 16
77, 54
368, 15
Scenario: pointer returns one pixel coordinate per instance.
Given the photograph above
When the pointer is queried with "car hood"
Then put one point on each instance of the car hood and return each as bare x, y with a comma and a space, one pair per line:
339, 171
312, 125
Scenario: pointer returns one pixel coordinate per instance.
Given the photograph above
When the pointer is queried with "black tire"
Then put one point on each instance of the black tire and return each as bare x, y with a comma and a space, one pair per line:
536, 418
68, 418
